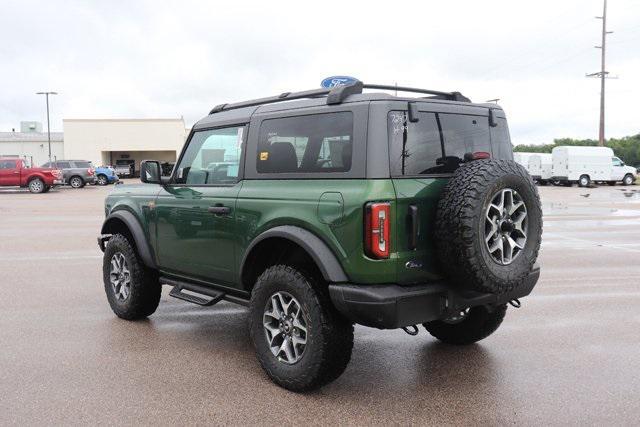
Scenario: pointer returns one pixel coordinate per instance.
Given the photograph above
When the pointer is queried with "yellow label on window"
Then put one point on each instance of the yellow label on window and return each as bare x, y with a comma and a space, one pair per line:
264, 155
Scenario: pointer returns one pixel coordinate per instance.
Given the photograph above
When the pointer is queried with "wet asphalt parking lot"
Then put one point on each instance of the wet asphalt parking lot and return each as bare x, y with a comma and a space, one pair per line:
570, 355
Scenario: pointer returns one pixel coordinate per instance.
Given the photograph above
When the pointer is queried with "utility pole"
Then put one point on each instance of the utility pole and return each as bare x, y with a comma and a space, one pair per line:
48, 127
602, 74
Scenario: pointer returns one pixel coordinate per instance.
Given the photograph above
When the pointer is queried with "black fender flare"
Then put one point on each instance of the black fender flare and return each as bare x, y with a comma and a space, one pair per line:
144, 250
324, 258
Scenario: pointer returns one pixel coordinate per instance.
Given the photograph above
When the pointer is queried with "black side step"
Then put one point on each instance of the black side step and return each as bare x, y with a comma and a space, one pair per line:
179, 287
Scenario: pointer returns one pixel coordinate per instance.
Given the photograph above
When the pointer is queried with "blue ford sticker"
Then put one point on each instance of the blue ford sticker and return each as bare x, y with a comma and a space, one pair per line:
334, 81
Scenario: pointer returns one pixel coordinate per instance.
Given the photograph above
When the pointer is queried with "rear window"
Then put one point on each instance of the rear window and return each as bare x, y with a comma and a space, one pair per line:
437, 142
305, 144
464, 134
501, 141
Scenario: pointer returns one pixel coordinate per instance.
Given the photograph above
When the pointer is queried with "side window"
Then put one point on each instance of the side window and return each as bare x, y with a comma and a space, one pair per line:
500, 141
7, 164
63, 165
617, 161
212, 157
463, 134
312, 143
46, 165
82, 165
415, 148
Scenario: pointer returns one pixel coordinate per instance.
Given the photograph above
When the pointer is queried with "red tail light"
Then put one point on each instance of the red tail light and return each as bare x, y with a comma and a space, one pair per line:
90, 172
376, 230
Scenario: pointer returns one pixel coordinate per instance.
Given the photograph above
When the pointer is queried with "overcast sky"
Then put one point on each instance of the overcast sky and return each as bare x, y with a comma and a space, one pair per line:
138, 59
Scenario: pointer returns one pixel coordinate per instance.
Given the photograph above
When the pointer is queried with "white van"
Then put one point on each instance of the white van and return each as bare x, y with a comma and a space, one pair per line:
584, 165
539, 165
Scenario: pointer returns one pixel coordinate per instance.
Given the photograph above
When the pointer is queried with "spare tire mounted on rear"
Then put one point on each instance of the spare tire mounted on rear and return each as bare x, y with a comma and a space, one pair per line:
488, 226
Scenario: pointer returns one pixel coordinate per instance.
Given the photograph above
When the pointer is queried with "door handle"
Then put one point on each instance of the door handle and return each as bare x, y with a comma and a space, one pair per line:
413, 226
219, 209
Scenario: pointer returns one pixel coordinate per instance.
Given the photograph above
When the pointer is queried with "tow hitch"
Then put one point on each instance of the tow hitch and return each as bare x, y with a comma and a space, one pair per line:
411, 330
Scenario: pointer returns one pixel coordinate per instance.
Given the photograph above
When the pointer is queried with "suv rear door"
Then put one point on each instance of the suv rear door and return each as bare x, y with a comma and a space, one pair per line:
196, 211
423, 156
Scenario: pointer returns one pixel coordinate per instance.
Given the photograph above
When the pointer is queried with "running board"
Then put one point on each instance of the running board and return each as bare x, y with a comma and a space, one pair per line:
209, 296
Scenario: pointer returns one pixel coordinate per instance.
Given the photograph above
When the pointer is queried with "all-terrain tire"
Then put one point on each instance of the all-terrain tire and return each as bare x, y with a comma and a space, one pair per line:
479, 323
144, 288
460, 226
329, 335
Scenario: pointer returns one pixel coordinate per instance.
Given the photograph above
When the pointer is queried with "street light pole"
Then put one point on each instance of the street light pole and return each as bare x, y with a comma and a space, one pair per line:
46, 94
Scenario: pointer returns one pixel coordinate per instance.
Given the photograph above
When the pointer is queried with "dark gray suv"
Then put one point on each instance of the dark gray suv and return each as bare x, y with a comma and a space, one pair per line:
76, 173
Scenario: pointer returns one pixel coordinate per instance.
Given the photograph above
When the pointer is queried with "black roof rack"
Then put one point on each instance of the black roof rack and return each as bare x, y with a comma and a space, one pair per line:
337, 95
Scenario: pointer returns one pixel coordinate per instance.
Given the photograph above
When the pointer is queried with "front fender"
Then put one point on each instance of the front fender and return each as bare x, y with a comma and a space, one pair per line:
318, 250
135, 228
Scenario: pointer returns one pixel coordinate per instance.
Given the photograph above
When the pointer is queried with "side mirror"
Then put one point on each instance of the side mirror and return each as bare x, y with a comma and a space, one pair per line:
150, 172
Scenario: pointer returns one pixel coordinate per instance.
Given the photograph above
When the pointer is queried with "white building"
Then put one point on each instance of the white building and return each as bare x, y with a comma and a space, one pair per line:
120, 141
31, 144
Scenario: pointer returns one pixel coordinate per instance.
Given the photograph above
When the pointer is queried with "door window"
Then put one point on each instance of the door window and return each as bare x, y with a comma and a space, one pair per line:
617, 161
63, 165
7, 164
212, 157
311, 143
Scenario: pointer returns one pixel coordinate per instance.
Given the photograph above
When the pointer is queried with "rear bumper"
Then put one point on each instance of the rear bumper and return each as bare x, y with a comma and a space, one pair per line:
394, 306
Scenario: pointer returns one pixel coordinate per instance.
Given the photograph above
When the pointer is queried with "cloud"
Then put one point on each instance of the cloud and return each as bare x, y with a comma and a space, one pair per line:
157, 59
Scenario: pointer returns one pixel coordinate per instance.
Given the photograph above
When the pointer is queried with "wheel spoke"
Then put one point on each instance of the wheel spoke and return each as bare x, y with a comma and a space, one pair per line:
515, 207
497, 245
492, 232
287, 348
507, 250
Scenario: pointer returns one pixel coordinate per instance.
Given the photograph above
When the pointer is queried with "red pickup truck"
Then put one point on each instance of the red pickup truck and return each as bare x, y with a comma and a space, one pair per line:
14, 173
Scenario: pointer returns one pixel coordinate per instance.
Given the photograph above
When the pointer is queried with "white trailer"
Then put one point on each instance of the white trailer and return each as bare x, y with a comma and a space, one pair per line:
539, 165
583, 165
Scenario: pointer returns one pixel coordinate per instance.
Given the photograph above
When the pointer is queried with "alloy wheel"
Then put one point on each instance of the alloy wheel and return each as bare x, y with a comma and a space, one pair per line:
505, 226
285, 327
36, 186
120, 276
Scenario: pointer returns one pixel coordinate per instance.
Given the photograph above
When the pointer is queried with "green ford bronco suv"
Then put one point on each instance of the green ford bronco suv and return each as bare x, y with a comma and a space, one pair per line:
333, 208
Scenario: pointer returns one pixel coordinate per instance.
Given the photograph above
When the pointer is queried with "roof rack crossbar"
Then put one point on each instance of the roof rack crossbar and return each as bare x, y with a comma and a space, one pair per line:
452, 96
337, 95
286, 96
